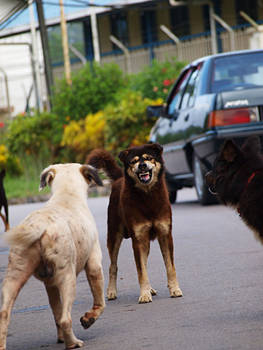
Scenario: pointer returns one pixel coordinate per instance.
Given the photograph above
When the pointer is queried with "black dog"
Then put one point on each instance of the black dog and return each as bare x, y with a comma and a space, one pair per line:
3, 201
237, 180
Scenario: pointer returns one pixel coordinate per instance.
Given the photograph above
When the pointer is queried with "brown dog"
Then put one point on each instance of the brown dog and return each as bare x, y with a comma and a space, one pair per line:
139, 208
54, 244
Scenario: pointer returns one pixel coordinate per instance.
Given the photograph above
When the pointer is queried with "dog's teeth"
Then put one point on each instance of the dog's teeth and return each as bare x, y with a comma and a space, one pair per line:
144, 176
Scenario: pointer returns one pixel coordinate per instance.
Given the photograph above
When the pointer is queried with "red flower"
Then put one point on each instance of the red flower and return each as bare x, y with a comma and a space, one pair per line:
167, 82
2, 124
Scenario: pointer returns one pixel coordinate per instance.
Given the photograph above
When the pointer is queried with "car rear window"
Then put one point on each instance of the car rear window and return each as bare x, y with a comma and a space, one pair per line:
237, 72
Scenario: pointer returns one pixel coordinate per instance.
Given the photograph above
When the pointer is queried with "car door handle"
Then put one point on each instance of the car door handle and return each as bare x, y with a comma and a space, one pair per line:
186, 117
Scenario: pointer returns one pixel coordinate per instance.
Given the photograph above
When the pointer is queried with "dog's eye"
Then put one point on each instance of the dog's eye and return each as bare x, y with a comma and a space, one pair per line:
148, 158
133, 161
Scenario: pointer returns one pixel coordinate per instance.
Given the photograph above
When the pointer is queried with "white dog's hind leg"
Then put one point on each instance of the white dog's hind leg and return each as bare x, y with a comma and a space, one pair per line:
95, 277
67, 292
20, 268
56, 306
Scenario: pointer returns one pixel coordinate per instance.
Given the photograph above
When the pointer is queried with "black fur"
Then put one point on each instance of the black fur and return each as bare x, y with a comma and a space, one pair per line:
237, 180
3, 200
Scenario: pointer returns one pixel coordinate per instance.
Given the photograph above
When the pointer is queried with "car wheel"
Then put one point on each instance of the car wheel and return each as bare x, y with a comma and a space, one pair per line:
172, 196
203, 194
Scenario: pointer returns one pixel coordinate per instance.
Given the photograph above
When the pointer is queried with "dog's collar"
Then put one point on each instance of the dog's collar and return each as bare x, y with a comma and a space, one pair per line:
250, 178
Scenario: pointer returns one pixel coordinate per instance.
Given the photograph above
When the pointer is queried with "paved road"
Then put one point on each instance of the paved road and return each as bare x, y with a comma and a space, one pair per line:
219, 266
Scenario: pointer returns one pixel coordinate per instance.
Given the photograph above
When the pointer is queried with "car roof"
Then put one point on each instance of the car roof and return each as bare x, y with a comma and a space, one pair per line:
224, 54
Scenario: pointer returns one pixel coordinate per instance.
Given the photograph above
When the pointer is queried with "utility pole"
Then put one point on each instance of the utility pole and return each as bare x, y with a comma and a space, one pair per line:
64, 35
45, 48
37, 84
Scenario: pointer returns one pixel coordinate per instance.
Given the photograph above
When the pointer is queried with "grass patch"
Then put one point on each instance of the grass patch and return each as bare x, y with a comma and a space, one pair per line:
22, 187
27, 184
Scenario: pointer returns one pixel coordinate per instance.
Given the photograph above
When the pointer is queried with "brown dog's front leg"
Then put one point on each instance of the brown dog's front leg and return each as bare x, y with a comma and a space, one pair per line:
166, 246
141, 249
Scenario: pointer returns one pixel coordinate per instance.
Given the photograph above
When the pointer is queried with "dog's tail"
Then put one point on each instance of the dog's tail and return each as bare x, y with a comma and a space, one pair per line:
102, 159
25, 234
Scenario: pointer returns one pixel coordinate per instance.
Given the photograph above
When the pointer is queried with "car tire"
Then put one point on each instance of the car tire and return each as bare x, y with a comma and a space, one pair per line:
172, 196
202, 191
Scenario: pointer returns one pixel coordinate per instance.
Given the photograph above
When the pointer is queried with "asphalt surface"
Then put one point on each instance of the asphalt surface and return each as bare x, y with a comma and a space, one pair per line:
219, 266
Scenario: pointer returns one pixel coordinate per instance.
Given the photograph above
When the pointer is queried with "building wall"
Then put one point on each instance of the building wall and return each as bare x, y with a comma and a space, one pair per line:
228, 12
15, 60
104, 33
163, 18
134, 26
196, 19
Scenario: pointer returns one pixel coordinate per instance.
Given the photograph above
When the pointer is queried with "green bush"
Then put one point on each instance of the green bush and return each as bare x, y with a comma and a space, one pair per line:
9, 162
36, 135
126, 122
91, 90
104, 89
155, 81
84, 135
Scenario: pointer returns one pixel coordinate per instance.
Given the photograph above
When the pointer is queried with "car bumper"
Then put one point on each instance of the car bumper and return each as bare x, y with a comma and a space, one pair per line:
208, 145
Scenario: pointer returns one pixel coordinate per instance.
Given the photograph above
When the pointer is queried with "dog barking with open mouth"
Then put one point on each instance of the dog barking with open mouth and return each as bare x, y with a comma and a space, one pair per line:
139, 209
142, 168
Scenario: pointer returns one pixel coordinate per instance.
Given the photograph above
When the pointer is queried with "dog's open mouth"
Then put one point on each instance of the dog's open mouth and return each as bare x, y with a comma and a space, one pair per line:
145, 176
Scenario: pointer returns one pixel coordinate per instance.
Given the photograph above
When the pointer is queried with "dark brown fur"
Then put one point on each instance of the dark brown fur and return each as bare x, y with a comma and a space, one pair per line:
140, 210
3, 201
237, 180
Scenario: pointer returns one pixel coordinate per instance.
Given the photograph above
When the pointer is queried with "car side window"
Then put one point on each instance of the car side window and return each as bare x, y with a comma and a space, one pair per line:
177, 93
190, 90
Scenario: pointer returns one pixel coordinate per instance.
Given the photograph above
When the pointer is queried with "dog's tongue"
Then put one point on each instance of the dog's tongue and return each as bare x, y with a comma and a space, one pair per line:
146, 177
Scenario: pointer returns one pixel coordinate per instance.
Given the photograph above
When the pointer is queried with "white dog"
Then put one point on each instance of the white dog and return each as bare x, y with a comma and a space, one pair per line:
54, 244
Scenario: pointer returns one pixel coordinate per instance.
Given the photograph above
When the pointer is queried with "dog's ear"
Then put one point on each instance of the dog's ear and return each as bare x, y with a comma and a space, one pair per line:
156, 147
252, 145
230, 151
90, 174
123, 155
46, 177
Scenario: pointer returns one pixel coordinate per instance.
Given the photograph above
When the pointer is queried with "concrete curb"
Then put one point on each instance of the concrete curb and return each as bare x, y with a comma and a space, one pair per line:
94, 191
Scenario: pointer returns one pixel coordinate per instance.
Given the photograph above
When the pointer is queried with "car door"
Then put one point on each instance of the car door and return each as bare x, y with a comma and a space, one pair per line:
178, 108
189, 110
169, 129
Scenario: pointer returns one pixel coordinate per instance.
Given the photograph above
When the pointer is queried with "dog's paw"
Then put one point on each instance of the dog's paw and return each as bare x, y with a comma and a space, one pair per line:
146, 297
77, 344
86, 322
111, 295
175, 292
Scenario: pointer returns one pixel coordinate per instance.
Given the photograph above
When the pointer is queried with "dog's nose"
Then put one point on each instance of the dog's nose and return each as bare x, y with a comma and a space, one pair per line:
142, 166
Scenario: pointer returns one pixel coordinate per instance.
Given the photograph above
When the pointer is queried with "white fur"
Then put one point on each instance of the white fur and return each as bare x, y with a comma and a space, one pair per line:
55, 243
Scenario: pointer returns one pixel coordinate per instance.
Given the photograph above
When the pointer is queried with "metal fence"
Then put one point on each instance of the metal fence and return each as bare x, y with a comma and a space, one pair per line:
186, 51
17, 65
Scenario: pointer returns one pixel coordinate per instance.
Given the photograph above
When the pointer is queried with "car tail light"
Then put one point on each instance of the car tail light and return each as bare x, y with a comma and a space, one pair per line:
233, 116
